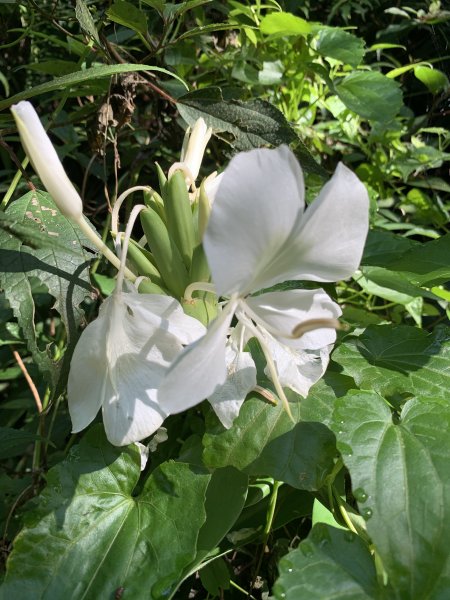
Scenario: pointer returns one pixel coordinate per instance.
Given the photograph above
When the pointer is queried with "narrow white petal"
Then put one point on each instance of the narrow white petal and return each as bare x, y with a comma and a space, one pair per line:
258, 203
45, 160
283, 311
227, 399
199, 369
333, 231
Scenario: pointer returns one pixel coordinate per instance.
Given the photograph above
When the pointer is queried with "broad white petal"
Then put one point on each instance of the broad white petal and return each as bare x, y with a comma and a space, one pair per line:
199, 369
133, 413
333, 230
89, 381
163, 312
120, 361
227, 399
45, 160
283, 311
297, 369
259, 201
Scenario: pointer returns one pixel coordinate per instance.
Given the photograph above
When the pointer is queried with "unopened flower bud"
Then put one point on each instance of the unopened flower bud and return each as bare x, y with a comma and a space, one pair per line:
45, 160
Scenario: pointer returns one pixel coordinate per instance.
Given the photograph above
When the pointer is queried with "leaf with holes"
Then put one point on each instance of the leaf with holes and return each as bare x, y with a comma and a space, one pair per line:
37, 242
250, 124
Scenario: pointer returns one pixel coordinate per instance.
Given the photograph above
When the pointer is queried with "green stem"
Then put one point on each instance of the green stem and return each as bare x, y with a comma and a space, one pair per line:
269, 521
103, 248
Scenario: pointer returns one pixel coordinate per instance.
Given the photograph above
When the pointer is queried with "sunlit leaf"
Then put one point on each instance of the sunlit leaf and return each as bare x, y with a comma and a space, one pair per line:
330, 563
398, 359
400, 480
264, 442
92, 533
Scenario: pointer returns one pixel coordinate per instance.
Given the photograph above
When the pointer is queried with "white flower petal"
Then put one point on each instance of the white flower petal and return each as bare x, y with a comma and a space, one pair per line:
297, 369
333, 230
227, 399
89, 379
259, 201
199, 369
166, 313
283, 311
133, 413
45, 160
121, 359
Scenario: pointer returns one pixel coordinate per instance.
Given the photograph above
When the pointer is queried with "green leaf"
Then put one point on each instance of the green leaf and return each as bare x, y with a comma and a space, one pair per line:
426, 264
264, 442
14, 441
370, 95
383, 247
86, 21
319, 403
340, 45
53, 253
67, 81
283, 23
396, 360
401, 482
215, 576
330, 563
92, 534
435, 80
251, 124
128, 15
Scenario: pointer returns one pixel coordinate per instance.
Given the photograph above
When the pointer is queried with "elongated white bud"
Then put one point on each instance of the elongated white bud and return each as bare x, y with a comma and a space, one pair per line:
45, 160
194, 147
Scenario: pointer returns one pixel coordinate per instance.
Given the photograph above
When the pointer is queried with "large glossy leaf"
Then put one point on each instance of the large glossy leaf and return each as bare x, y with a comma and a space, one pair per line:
401, 482
395, 360
39, 243
371, 95
250, 124
329, 564
92, 534
264, 442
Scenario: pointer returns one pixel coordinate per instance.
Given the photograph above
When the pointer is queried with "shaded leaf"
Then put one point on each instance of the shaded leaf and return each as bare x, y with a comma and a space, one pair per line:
251, 124
14, 441
400, 480
129, 15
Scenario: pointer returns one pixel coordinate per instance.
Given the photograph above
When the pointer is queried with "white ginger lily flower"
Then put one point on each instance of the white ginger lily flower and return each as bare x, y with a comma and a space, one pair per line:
45, 160
122, 357
120, 360
258, 235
